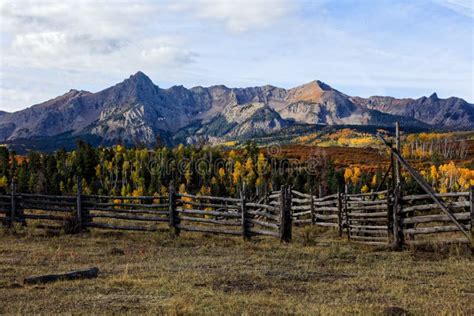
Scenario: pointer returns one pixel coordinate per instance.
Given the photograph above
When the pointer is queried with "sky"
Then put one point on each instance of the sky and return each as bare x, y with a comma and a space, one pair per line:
402, 48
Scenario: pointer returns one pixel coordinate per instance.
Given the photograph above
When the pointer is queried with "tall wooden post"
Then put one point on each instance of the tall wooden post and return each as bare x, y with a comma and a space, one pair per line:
398, 175
346, 212
243, 209
339, 212
313, 215
285, 214
173, 215
471, 200
13, 204
79, 215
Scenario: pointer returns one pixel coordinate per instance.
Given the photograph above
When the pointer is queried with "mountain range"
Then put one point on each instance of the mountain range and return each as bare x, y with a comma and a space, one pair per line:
138, 111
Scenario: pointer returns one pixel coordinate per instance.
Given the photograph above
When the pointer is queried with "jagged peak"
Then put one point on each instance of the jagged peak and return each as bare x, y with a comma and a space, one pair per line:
140, 77
434, 96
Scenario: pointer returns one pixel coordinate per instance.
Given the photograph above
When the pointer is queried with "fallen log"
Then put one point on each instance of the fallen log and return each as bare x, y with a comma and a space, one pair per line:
72, 275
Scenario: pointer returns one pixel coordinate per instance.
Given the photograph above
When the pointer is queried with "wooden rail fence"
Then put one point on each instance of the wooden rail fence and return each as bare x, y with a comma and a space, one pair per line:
376, 218
180, 212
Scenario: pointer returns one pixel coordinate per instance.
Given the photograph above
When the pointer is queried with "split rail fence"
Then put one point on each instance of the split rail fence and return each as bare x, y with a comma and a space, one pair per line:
376, 218
180, 212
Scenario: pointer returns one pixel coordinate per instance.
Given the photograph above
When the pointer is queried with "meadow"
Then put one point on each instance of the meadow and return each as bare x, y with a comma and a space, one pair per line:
318, 273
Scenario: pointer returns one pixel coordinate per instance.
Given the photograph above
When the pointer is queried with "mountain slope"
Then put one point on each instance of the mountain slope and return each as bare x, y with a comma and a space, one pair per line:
138, 111
452, 113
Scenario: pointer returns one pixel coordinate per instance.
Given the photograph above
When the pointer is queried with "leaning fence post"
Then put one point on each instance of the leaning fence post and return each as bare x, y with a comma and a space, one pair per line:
243, 208
173, 215
285, 213
79, 216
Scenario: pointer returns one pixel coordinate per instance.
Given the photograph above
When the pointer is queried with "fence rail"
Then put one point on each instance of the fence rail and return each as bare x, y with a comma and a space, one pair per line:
375, 218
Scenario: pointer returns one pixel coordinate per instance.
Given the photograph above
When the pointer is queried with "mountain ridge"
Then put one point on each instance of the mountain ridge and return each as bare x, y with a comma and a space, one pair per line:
137, 110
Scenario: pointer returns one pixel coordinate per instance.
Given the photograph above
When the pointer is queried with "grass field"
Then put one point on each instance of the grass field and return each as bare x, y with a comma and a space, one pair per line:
204, 274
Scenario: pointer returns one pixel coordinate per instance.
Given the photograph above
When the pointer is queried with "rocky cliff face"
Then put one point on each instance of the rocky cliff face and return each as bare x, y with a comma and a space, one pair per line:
136, 110
452, 113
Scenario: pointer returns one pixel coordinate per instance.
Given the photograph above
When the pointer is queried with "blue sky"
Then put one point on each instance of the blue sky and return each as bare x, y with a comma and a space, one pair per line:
367, 47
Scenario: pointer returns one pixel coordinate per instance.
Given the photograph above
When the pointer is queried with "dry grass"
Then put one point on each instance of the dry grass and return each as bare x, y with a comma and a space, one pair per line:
196, 274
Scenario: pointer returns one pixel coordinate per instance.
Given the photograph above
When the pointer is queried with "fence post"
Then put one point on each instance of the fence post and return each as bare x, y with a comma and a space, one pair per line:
390, 216
79, 216
339, 212
285, 213
397, 230
471, 200
346, 213
243, 208
13, 204
313, 215
173, 215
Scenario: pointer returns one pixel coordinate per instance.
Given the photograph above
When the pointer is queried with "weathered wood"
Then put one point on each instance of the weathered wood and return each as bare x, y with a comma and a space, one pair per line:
429, 190
439, 195
173, 215
48, 208
126, 211
90, 273
256, 205
471, 200
370, 231
433, 229
435, 218
425, 207
202, 212
48, 217
118, 197
298, 214
303, 221
218, 206
211, 230
300, 194
130, 217
262, 223
326, 209
369, 215
327, 224
285, 214
244, 216
47, 202
120, 227
368, 226
208, 197
98, 204
263, 214
42, 196
254, 231
79, 226
322, 216
397, 169
13, 203
210, 221
323, 203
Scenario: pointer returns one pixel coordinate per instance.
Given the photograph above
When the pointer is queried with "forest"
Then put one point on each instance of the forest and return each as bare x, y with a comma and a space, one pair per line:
214, 170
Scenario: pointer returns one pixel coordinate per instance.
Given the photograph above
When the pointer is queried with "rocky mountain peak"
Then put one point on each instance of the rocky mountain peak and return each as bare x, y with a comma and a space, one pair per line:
434, 96
310, 92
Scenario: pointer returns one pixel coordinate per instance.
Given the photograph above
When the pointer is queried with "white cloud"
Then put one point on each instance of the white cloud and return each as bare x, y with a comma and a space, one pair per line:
240, 15
463, 7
